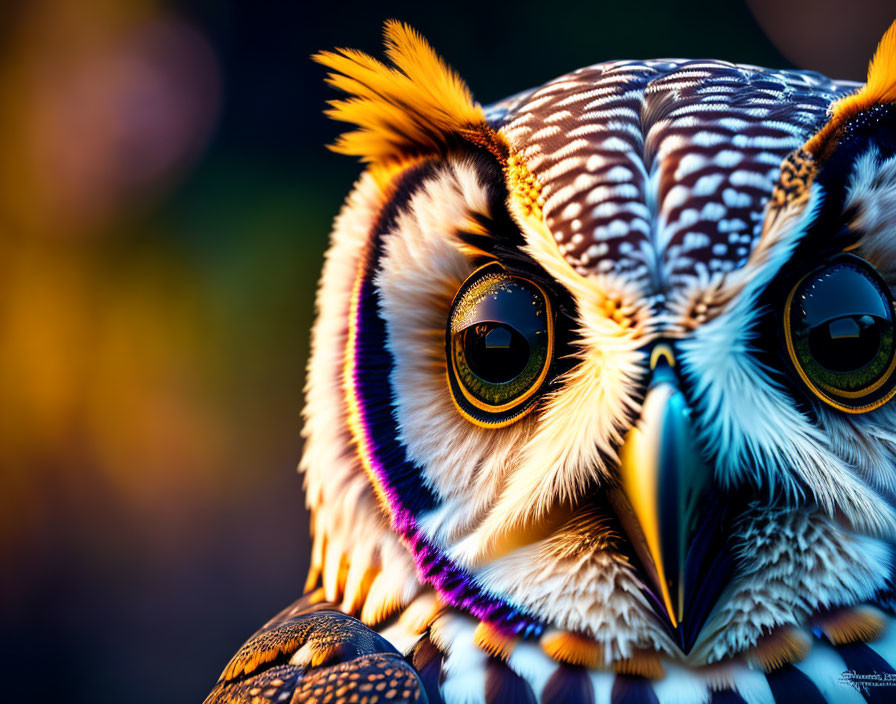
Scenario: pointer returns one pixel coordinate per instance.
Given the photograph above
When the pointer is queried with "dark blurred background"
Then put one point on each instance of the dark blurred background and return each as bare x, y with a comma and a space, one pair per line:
165, 201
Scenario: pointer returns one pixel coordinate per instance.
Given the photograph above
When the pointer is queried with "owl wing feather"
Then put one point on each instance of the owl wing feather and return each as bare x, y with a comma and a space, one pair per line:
310, 653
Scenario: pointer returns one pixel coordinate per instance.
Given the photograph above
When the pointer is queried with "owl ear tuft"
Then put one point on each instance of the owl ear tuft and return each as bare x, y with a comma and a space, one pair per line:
415, 106
881, 84
879, 89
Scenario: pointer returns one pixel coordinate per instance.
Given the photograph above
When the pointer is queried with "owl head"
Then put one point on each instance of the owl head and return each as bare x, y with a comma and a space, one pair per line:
605, 370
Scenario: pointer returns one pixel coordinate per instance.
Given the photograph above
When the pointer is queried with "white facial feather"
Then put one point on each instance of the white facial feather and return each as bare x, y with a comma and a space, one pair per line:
347, 525
750, 425
867, 443
421, 271
582, 588
790, 564
872, 192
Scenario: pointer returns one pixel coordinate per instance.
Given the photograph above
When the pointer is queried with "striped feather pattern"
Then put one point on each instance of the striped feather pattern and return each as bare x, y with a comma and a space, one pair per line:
817, 679
660, 170
309, 650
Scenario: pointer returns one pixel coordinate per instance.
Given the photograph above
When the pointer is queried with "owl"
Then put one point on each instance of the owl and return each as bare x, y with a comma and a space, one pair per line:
599, 401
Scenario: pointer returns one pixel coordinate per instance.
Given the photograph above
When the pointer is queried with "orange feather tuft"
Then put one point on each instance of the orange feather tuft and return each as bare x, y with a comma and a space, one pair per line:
783, 647
879, 88
356, 590
857, 625
641, 664
317, 596
421, 612
573, 648
417, 105
493, 641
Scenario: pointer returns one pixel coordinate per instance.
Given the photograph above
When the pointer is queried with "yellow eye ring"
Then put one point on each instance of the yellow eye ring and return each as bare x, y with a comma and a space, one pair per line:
499, 346
839, 335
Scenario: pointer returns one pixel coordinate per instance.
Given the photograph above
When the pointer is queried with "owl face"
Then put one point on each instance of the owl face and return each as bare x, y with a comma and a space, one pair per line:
608, 365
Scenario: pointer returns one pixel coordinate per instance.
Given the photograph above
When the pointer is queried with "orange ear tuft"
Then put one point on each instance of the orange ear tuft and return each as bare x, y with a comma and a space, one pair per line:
879, 88
881, 84
414, 106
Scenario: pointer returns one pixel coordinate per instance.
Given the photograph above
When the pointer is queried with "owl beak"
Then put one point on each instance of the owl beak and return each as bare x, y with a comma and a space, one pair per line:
669, 508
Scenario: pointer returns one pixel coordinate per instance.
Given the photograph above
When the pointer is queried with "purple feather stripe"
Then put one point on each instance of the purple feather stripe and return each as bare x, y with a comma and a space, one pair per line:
398, 480
455, 585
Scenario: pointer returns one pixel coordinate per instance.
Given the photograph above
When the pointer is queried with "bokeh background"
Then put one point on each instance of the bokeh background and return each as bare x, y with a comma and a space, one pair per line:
165, 201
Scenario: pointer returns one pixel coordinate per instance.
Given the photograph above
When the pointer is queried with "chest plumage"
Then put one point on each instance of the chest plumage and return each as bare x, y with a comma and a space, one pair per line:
599, 401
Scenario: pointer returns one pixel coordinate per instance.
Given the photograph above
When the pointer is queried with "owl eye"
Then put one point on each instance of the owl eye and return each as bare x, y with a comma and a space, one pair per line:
499, 344
838, 328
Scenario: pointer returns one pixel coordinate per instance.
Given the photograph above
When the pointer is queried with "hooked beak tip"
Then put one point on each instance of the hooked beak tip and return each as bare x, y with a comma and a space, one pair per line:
667, 505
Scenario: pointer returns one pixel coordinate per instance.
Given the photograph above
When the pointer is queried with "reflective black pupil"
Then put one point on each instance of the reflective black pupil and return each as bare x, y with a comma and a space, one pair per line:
495, 353
842, 334
497, 343
847, 344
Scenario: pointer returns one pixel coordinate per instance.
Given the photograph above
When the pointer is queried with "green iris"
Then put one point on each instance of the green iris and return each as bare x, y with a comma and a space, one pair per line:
841, 332
498, 338
854, 380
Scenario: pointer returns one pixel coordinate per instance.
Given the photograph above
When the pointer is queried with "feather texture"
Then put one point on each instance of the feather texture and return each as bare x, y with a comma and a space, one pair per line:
668, 210
416, 105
